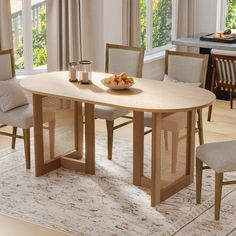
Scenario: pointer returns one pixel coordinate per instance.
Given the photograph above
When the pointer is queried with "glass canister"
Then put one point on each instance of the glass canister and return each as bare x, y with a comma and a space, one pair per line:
73, 72
85, 72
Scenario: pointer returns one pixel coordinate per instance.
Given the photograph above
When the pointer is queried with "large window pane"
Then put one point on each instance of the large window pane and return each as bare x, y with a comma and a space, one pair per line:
231, 18
162, 22
17, 31
39, 34
143, 13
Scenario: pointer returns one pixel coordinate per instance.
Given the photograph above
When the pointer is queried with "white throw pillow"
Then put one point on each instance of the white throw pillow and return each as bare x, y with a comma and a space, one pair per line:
172, 80
11, 95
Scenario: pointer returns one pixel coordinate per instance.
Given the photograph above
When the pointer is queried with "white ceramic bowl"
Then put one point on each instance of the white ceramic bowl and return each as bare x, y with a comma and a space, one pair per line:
117, 87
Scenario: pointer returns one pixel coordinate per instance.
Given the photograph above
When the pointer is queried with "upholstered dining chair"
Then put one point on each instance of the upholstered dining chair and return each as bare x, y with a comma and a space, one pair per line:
220, 157
15, 109
224, 74
188, 69
119, 58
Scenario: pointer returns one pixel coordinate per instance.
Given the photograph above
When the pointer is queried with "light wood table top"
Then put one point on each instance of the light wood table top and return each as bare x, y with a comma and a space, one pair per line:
146, 95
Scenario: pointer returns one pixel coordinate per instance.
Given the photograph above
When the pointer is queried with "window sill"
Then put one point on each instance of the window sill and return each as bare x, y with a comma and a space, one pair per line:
157, 55
154, 57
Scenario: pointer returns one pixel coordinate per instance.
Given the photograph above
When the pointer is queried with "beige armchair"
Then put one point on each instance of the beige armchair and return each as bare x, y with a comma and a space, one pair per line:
21, 116
220, 157
119, 59
188, 68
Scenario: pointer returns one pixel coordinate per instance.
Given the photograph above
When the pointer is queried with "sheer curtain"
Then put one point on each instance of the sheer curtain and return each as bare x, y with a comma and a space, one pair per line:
63, 33
6, 41
131, 22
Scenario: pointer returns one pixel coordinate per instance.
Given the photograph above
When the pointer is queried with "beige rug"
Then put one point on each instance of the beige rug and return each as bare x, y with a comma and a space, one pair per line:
108, 203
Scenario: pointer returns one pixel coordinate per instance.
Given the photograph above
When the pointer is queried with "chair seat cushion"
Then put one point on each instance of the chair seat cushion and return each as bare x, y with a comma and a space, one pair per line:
22, 117
174, 122
109, 113
220, 156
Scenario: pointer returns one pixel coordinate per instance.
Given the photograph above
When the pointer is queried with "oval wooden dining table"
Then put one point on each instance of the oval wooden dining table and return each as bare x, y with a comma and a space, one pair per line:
146, 95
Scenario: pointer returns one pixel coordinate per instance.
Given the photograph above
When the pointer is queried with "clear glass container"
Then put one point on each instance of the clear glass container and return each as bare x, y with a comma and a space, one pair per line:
85, 72
73, 71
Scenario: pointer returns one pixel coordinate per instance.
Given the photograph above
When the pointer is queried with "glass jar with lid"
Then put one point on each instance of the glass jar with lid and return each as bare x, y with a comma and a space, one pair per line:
85, 72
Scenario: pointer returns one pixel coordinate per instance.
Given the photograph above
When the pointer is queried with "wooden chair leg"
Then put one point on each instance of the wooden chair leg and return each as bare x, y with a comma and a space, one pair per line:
13, 141
209, 113
199, 166
175, 140
110, 130
231, 94
200, 126
51, 127
166, 139
218, 193
26, 135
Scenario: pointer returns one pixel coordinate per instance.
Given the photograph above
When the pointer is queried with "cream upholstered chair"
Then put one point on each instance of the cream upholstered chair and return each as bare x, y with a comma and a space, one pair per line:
224, 74
22, 116
119, 59
220, 157
186, 68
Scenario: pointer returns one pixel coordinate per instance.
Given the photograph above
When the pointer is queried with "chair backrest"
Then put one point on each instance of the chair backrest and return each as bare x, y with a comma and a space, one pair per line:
224, 68
7, 70
120, 58
186, 67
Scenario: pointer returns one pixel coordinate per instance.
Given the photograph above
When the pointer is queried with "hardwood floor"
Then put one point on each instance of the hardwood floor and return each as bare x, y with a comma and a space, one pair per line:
221, 128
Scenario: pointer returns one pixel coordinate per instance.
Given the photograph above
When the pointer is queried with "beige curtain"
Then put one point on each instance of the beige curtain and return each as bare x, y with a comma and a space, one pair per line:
185, 26
185, 18
131, 22
63, 33
6, 41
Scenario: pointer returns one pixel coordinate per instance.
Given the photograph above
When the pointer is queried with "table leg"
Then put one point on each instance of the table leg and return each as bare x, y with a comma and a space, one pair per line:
38, 134
190, 147
41, 167
156, 160
78, 129
138, 144
89, 139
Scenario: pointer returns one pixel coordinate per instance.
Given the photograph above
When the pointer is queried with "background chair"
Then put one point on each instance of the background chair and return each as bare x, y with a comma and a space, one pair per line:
22, 116
184, 68
220, 157
119, 59
224, 74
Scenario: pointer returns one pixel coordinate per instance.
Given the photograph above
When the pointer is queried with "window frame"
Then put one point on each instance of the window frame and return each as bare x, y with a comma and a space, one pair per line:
149, 50
27, 35
222, 11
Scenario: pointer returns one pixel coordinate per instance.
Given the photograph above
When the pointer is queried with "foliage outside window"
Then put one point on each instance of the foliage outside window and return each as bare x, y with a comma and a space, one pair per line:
29, 27
231, 17
156, 24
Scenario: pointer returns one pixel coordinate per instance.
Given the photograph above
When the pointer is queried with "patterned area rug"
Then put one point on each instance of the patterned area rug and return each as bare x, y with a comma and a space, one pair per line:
108, 203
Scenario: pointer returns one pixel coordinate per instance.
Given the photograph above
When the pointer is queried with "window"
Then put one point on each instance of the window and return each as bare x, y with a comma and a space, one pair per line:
158, 24
29, 35
226, 18
231, 14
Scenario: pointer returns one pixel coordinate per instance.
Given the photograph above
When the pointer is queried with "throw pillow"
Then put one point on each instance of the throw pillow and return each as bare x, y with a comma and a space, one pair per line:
11, 95
167, 78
